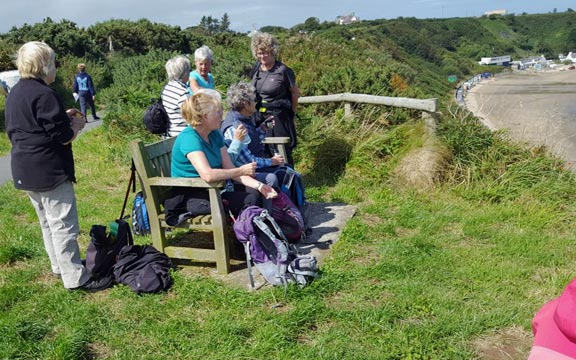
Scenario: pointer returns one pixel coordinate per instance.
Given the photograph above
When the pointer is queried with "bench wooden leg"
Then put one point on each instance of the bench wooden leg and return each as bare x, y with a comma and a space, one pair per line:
222, 252
220, 244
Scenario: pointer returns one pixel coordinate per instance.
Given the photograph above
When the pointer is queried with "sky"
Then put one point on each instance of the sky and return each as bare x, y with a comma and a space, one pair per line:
246, 15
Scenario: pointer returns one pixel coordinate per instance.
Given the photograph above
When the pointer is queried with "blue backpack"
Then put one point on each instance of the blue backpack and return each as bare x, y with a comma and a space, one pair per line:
140, 220
291, 184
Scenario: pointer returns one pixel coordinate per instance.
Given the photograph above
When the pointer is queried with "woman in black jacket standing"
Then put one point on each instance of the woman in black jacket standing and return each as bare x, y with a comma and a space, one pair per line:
276, 89
41, 133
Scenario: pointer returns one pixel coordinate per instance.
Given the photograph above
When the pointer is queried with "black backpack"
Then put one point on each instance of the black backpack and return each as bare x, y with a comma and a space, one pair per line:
156, 119
104, 248
143, 268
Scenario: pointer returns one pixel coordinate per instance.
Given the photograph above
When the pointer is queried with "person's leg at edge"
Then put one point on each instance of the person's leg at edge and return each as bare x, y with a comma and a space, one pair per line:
267, 178
92, 108
35, 198
61, 216
83, 105
238, 200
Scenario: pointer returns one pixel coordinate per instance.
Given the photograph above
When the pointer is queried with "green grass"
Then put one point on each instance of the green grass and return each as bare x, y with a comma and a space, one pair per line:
415, 274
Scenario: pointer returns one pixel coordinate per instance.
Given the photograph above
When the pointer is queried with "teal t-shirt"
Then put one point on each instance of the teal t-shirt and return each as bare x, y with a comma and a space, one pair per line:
188, 141
200, 81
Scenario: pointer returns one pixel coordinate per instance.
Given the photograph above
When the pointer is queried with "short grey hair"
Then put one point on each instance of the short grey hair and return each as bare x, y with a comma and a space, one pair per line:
35, 60
239, 95
203, 53
264, 41
178, 67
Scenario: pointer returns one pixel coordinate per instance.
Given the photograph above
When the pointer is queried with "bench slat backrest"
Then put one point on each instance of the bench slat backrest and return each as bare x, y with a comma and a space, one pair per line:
159, 156
153, 160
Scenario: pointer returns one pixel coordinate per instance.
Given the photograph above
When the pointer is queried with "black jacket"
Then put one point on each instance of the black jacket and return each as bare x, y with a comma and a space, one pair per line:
37, 126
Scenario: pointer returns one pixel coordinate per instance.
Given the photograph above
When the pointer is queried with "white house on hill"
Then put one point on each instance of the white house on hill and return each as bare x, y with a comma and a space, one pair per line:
496, 12
496, 60
347, 19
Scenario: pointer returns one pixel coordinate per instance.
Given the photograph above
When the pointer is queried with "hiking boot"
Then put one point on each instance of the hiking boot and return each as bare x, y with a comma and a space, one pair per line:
94, 285
96, 118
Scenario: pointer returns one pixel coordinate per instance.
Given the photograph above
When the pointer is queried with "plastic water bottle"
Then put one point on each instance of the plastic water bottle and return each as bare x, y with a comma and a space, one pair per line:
247, 139
287, 182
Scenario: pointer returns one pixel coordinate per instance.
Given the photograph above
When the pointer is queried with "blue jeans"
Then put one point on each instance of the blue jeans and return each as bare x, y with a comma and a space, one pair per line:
87, 100
56, 210
267, 178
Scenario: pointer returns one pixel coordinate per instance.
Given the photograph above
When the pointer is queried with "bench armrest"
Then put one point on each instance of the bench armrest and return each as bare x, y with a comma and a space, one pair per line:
276, 140
279, 143
188, 182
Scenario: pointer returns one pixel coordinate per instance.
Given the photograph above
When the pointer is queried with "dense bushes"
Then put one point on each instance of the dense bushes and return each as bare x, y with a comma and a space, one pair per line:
403, 57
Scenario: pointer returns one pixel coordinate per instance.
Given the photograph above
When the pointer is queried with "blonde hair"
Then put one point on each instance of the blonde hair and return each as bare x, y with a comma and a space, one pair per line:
264, 42
201, 103
35, 60
81, 67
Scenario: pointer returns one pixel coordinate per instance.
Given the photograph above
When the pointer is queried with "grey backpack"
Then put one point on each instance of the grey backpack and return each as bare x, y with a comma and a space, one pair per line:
267, 248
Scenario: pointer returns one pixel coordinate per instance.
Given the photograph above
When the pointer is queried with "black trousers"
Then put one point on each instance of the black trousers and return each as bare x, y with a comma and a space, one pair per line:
284, 127
185, 203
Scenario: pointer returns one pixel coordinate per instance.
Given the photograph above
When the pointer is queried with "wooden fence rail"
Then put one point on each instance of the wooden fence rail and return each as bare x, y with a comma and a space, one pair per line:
428, 106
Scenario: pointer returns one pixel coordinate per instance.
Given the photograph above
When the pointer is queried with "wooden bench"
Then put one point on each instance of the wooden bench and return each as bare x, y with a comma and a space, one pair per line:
152, 162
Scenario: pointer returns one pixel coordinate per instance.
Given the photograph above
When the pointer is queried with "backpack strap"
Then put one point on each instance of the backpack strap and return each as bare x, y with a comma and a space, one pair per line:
249, 263
131, 182
255, 69
281, 268
261, 222
266, 215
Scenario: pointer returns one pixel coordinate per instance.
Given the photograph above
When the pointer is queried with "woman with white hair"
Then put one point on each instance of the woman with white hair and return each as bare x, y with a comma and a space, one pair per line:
176, 92
201, 78
241, 100
41, 133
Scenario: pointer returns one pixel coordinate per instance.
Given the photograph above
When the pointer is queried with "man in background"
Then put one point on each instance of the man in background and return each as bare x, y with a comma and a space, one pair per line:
84, 90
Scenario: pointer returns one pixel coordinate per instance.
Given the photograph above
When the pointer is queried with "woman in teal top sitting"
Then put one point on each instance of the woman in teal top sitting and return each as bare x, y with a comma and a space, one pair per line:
201, 78
200, 151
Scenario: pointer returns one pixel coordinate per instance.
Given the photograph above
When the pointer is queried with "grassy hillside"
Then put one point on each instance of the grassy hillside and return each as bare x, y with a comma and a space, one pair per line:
460, 236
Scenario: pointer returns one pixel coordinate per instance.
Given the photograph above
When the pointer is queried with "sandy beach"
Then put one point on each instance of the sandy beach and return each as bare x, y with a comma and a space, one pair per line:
536, 108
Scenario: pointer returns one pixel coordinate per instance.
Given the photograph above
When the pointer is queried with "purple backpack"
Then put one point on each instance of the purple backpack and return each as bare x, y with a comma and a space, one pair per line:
288, 217
266, 246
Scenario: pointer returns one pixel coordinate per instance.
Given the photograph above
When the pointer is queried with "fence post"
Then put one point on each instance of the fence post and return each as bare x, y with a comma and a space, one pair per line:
429, 121
348, 109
